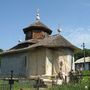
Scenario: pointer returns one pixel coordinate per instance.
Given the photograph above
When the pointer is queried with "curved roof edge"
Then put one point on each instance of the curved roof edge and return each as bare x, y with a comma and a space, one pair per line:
38, 24
56, 41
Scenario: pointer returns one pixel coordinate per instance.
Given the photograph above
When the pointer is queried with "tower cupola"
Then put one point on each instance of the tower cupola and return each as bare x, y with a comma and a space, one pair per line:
36, 30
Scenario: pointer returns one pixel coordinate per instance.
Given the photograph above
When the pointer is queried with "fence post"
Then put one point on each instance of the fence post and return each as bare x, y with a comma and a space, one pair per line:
11, 81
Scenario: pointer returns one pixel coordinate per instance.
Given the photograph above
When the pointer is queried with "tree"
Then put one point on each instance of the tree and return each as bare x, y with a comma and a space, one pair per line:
1, 50
79, 54
0, 57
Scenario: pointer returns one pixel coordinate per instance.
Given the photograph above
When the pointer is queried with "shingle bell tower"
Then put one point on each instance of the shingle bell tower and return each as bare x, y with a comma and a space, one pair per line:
36, 30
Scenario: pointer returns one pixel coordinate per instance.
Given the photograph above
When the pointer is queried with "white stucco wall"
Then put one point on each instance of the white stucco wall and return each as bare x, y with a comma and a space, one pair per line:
39, 61
14, 62
70, 59
53, 59
36, 62
49, 62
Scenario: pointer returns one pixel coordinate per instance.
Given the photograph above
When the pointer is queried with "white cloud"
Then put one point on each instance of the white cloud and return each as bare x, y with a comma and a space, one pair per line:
80, 35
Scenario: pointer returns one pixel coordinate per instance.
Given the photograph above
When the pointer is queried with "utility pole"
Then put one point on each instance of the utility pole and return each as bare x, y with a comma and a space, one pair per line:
83, 45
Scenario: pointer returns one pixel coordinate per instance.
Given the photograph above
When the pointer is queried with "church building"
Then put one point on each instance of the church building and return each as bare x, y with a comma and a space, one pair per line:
41, 54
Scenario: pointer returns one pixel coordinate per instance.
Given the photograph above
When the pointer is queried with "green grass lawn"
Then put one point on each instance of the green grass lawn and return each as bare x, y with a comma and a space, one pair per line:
77, 86
71, 87
25, 85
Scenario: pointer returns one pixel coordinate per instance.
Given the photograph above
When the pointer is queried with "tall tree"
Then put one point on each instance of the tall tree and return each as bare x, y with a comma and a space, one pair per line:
1, 50
0, 57
79, 54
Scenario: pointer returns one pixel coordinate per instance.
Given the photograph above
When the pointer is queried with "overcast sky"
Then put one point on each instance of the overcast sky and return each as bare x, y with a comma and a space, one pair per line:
72, 16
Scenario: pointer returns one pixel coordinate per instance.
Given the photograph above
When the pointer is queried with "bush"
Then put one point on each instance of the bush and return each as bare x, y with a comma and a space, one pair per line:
86, 77
69, 87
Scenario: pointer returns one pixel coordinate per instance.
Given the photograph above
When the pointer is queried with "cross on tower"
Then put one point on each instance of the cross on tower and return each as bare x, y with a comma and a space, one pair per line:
37, 15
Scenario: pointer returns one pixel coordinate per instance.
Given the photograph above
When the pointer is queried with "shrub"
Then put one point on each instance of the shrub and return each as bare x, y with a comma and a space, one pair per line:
69, 87
86, 78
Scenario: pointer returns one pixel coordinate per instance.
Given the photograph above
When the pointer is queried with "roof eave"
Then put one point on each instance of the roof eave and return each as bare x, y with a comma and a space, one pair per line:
25, 30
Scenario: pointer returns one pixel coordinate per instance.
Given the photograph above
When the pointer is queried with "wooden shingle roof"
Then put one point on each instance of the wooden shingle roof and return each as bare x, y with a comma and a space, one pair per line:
38, 25
56, 41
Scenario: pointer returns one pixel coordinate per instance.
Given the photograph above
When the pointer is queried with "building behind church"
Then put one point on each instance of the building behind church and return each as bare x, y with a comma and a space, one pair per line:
41, 54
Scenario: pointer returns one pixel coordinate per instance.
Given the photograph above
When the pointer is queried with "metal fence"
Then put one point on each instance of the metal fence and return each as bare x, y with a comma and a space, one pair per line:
4, 85
20, 84
26, 84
